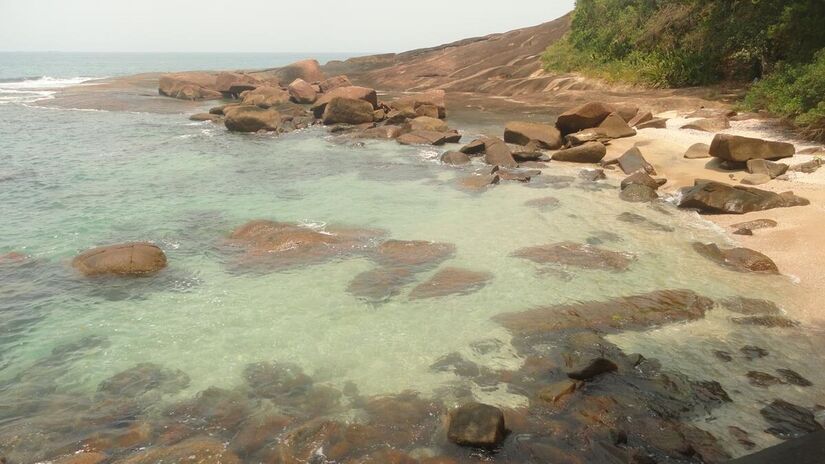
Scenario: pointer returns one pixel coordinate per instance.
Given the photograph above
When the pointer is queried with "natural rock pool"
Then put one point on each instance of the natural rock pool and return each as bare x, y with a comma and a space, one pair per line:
330, 356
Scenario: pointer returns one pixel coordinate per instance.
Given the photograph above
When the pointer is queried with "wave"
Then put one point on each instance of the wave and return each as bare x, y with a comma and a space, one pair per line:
32, 89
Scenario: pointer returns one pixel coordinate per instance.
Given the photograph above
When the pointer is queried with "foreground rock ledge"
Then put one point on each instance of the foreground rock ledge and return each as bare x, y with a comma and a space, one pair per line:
127, 259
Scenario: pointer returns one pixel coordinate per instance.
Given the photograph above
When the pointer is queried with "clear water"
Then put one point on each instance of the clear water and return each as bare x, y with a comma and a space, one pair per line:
71, 180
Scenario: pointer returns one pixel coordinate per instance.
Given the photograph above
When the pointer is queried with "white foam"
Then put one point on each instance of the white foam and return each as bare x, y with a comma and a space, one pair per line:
32, 90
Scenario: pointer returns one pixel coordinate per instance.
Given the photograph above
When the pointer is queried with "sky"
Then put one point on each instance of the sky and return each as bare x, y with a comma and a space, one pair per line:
259, 25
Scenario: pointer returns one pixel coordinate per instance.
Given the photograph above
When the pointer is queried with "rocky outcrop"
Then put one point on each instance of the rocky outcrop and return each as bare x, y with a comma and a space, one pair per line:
247, 118
591, 152
128, 259
737, 149
711, 197
347, 111
308, 70
352, 92
189, 86
522, 133
228, 83
478, 425
740, 259
583, 117
300, 91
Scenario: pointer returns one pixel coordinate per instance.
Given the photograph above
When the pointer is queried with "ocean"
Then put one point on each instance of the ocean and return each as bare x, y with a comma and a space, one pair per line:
71, 180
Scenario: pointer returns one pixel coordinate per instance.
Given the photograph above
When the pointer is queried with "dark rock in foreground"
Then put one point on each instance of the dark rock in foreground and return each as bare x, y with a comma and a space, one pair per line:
129, 259
478, 425
788, 420
711, 197
808, 449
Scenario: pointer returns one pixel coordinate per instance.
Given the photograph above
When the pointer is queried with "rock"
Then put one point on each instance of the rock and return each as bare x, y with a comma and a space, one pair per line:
574, 254
640, 118
423, 138
632, 218
655, 123
788, 420
430, 111
756, 179
414, 254
380, 132
334, 82
593, 369
227, 83
807, 449
520, 175
200, 450
251, 119
638, 193
128, 259
739, 149
478, 182
766, 321
347, 111
265, 96
476, 147
497, 153
555, 392
255, 434
741, 437
698, 151
709, 124
529, 152
807, 168
77, 458
793, 378
769, 168
143, 378
592, 152
478, 425
218, 110
274, 380
750, 306
711, 197
201, 117
307, 70
723, 356
351, 92
426, 123
632, 161
753, 352
380, 284
585, 136
740, 259
455, 158
642, 178
451, 281
614, 127
434, 98
544, 204
592, 175
189, 86
583, 117
522, 133
452, 137
300, 91
627, 112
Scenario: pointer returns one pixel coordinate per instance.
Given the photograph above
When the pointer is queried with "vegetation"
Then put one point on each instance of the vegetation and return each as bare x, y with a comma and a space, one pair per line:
780, 44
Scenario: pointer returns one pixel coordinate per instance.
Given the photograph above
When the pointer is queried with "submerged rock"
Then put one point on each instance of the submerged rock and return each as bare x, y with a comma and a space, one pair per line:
711, 197
575, 254
766, 321
638, 193
739, 149
380, 284
793, 378
451, 281
555, 392
593, 369
740, 259
632, 218
478, 425
200, 450
753, 352
143, 378
275, 380
788, 420
763, 380
415, 254
544, 204
128, 259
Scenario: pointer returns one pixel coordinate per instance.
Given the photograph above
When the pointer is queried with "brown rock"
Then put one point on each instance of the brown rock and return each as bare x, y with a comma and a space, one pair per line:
698, 151
583, 117
735, 148
308, 70
227, 81
423, 138
592, 369
640, 118
740, 259
807, 168
380, 284
592, 152
476, 182
709, 124
451, 281
638, 193
189, 86
79, 458
128, 259
476, 147
351, 92
522, 133
455, 158
555, 392
756, 179
519, 175
200, 117
627, 112
655, 123
497, 153
300, 91
265, 96
334, 82
574, 254
426, 123
633, 161
753, 225
251, 119
416, 253
430, 111
642, 178
614, 127
200, 450
477, 425
347, 111
544, 204
711, 197
380, 132
410, 103
769, 168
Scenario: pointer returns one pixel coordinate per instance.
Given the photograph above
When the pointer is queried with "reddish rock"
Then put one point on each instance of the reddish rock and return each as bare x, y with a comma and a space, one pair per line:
522, 133
591, 152
739, 149
334, 82
247, 118
352, 92
477, 425
265, 96
413, 253
497, 153
302, 92
225, 82
189, 86
578, 255
128, 259
740, 259
308, 70
451, 281
583, 117
423, 137
198, 450
347, 111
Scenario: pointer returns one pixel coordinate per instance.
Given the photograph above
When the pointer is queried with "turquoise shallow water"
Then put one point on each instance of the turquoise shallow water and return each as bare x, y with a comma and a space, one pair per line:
71, 180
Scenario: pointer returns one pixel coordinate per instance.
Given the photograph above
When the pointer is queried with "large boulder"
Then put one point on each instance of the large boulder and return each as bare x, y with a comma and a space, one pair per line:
739, 149
347, 111
632, 161
427, 123
522, 133
711, 197
189, 86
497, 153
353, 92
614, 127
435, 98
128, 259
265, 96
334, 82
591, 152
300, 91
247, 118
308, 70
227, 82
583, 117
739, 259
477, 425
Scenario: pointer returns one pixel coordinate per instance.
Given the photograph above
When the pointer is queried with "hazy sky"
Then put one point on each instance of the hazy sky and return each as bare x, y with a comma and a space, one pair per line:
259, 25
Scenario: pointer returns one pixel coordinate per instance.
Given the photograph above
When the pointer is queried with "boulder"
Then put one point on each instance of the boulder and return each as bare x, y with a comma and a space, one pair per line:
478, 425
640, 118
436, 98
734, 148
478, 182
265, 96
451, 281
638, 193
201, 117
592, 152
427, 110
455, 158
655, 123
711, 197
520, 175
522, 133
247, 118
769, 168
632, 161
614, 127
756, 179
529, 152
423, 138
347, 111
308, 70
352, 92
583, 117
476, 147
334, 82
300, 91
189, 86
555, 392
698, 151
627, 112
227, 82
740, 259
642, 178
497, 153
128, 259
426, 123
592, 369
709, 124
807, 168
380, 132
